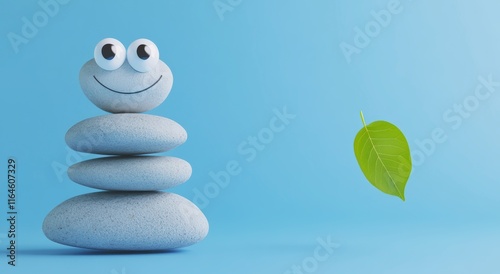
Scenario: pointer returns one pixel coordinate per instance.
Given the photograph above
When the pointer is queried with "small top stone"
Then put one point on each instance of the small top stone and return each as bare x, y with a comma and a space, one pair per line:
120, 81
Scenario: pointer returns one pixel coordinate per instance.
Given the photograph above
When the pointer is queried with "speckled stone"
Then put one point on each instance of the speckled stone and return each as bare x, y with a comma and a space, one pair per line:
126, 221
131, 173
125, 134
124, 89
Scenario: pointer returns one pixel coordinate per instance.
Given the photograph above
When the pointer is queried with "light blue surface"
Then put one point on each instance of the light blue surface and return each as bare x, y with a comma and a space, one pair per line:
275, 69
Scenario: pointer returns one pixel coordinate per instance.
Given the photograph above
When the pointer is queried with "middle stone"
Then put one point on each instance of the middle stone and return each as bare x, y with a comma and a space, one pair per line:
131, 173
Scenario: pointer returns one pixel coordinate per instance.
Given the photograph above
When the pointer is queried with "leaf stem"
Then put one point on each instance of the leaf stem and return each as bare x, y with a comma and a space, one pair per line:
362, 118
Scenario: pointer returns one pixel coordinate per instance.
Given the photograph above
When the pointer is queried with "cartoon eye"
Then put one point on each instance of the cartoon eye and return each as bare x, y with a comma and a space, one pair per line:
143, 55
109, 54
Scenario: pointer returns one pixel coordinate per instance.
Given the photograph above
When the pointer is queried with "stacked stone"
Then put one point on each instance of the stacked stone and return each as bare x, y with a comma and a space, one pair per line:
132, 213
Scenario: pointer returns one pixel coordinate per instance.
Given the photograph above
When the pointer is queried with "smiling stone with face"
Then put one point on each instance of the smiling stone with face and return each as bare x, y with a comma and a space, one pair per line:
132, 80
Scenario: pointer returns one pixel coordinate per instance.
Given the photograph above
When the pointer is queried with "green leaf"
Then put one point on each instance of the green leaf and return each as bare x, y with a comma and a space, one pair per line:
384, 157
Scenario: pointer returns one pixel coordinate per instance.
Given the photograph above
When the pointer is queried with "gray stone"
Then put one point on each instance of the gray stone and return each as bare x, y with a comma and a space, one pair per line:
131, 173
125, 89
125, 134
126, 221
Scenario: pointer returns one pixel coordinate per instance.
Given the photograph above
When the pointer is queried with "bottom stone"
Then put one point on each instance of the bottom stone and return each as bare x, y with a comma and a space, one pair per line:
126, 221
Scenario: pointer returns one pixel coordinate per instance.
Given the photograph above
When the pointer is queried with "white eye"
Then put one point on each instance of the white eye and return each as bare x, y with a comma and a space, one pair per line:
109, 54
143, 55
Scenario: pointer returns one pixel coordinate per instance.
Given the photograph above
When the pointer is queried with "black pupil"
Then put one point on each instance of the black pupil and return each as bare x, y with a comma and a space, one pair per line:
143, 52
108, 51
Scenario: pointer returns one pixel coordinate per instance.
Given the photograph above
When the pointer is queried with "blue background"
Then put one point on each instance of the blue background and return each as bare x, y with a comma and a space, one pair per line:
230, 73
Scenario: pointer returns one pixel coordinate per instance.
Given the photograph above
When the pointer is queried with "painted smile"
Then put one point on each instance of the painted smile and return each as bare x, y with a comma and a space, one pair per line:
135, 92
